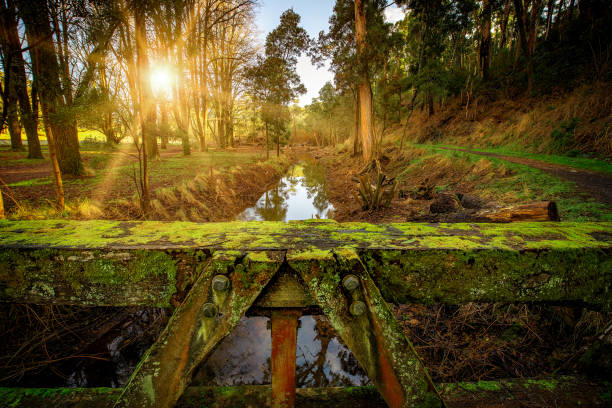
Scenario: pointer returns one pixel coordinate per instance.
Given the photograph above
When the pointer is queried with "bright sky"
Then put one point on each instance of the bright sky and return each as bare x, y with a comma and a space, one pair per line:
315, 15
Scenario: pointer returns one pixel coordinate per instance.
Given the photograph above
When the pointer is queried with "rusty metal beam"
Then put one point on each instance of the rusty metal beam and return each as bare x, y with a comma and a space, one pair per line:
284, 323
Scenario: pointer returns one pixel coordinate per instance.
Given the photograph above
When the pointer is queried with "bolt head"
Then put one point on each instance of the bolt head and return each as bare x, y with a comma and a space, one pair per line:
357, 308
350, 282
220, 283
210, 310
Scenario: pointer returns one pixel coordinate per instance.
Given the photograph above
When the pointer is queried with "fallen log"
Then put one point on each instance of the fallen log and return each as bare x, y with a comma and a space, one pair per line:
538, 211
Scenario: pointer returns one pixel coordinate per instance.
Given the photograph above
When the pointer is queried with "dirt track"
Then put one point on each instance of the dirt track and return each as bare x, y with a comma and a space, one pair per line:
598, 185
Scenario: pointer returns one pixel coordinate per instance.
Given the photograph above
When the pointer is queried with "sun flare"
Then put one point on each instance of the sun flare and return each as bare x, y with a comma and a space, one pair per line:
161, 82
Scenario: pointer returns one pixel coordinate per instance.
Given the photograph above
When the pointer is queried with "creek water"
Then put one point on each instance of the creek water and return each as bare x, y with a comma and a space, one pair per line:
244, 357
299, 195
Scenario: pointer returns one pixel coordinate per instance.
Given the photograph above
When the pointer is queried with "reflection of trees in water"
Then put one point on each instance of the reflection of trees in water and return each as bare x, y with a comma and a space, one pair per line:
314, 182
273, 206
238, 358
318, 372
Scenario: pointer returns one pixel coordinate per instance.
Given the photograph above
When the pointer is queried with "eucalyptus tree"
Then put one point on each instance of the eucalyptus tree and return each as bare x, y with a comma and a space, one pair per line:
357, 44
231, 52
46, 75
50, 60
273, 81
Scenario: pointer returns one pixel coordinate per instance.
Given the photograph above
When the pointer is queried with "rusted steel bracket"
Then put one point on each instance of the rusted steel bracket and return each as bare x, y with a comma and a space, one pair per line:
339, 283
284, 324
210, 311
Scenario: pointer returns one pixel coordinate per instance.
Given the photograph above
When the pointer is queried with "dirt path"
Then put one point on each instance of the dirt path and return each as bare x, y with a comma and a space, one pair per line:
598, 185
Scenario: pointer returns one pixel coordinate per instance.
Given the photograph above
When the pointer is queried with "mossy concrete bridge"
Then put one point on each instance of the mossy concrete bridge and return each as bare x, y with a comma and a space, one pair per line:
215, 273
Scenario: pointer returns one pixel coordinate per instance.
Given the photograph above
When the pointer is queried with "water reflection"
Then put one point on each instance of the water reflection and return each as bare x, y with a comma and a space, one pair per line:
299, 195
244, 357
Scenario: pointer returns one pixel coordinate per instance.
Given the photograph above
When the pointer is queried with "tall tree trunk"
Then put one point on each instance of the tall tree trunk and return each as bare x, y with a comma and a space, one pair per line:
526, 42
504, 24
142, 64
65, 131
357, 126
13, 119
163, 120
153, 152
204, 85
485, 40
364, 88
57, 174
550, 7
267, 144
46, 78
12, 46
570, 13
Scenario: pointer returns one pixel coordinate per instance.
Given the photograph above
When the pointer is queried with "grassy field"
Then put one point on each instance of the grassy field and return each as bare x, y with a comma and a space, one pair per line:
111, 177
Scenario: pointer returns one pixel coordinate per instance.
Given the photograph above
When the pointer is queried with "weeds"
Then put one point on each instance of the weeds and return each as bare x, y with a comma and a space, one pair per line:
375, 191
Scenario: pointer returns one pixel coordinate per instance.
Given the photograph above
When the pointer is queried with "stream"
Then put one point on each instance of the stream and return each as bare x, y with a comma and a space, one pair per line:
300, 195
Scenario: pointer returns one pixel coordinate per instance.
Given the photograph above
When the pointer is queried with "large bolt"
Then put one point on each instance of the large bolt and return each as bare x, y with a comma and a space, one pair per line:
350, 282
220, 283
357, 308
210, 310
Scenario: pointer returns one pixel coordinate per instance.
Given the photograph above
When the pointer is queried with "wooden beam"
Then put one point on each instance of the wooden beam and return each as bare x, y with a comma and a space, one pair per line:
207, 315
367, 326
537, 393
151, 263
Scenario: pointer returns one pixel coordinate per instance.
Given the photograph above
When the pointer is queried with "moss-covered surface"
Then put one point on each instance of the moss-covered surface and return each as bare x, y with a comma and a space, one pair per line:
301, 235
374, 337
190, 336
559, 391
146, 263
95, 277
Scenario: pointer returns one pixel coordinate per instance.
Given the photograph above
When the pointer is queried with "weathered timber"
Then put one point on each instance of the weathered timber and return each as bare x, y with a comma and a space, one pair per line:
150, 263
539, 211
537, 393
204, 318
211, 311
373, 335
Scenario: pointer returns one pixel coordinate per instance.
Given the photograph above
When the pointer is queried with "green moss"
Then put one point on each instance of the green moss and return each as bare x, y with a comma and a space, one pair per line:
549, 384
451, 263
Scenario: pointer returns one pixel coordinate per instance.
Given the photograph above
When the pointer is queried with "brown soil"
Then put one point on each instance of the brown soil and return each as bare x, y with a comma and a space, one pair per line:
598, 185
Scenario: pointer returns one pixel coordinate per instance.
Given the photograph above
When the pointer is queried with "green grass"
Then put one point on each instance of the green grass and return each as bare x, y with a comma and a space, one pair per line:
585, 163
84, 134
530, 184
186, 167
31, 182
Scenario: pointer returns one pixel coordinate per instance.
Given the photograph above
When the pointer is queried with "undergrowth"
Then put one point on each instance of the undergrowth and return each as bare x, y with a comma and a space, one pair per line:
429, 166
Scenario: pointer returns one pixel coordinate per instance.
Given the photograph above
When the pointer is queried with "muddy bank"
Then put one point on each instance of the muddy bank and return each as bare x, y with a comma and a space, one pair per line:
212, 196
424, 176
